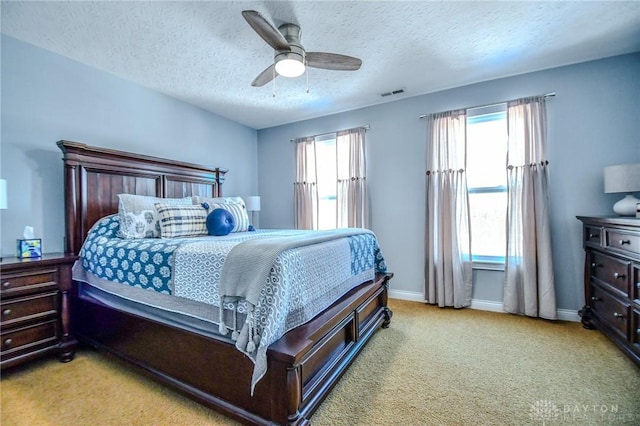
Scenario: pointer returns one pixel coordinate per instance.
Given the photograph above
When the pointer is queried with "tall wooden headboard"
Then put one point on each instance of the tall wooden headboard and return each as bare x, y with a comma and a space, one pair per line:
93, 178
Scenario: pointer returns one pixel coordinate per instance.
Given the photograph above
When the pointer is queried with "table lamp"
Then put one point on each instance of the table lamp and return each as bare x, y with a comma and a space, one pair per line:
623, 178
253, 205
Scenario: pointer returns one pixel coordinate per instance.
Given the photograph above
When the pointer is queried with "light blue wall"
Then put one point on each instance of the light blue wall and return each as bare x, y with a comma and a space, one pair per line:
46, 97
594, 121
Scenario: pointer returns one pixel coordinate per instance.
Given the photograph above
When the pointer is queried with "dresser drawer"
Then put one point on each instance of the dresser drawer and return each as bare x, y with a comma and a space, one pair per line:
592, 235
635, 331
611, 271
29, 281
610, 310
27, 339
635, 283
30, 308
626, 242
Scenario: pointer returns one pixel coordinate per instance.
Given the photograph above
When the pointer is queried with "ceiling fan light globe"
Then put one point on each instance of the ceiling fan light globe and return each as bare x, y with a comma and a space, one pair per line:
289, 67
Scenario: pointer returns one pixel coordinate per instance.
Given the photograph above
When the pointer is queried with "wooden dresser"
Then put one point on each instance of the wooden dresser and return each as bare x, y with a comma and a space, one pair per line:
612, 280
34, 311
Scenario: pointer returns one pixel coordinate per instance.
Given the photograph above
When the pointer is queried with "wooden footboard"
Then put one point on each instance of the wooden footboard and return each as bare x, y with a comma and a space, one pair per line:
303, 366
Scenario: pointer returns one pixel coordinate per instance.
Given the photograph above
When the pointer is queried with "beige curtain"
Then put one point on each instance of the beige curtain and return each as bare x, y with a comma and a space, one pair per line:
305, 196
352, 200
448, 273
529, 283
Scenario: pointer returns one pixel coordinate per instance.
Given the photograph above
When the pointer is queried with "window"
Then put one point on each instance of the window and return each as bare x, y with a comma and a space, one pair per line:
487, 183
327, 181
330, 188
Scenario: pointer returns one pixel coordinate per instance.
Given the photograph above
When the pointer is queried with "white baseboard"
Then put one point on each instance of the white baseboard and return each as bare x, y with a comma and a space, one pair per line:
481, 305
568, 315
406, 295
487, 305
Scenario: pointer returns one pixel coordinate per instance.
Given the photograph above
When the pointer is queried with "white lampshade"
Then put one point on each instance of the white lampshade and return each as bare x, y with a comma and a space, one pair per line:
623, 178
252, 203
3, 194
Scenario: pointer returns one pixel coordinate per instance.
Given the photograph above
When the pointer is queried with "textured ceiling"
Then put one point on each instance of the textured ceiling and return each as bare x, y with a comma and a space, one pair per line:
205, 53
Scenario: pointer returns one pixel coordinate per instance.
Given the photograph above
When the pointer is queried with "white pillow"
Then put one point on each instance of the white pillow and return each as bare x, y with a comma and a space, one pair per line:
239, 213
217, 200
130, 207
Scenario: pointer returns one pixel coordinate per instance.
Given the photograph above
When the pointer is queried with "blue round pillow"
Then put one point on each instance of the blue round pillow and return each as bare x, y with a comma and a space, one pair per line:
220, 222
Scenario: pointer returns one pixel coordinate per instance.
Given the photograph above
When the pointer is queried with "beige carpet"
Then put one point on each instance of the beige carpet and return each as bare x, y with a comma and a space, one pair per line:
438, 367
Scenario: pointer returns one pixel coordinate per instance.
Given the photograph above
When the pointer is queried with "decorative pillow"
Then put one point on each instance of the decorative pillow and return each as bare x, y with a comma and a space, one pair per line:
130, 207
218, 200
239, 213
181, 221
220, 222
141, 225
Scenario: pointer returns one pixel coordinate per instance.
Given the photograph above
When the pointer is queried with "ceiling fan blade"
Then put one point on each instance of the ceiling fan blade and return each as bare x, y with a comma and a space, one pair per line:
333, 61
265, 76
268, 32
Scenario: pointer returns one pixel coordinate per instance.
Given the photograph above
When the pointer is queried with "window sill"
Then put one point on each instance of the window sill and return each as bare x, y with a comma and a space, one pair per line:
488, 266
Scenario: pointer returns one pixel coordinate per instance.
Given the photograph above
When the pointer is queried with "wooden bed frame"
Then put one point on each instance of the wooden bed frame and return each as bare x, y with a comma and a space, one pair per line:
303, 366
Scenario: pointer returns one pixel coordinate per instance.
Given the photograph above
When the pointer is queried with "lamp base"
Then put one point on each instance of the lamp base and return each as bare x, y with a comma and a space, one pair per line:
627, 206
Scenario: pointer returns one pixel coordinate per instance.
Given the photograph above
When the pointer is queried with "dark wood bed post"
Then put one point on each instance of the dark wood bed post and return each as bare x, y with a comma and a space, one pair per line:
70, 207
295, 396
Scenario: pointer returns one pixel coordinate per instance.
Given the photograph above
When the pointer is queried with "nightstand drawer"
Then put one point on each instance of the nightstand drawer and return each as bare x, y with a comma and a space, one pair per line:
613, 312
38, 307
611, 271
30, 281
31, 338
623, 241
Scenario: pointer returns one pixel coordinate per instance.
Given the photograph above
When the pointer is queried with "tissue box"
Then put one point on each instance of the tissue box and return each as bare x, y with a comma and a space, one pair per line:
29, 248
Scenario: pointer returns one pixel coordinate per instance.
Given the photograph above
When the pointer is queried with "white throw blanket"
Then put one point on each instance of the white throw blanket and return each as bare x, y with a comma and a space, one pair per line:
249, 263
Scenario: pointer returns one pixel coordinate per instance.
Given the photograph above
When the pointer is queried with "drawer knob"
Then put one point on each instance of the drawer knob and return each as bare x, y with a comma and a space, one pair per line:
617, 275
7, 343
594, 298
623, 242
617, 315
592, 235
596, 265
6, 284
6, 312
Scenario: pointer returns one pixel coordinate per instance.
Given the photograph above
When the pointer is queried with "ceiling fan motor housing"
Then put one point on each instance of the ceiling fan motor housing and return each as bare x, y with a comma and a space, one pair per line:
291, 33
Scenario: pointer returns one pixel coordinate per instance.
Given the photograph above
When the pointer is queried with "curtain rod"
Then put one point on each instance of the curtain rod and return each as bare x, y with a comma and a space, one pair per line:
546, 95
365, 127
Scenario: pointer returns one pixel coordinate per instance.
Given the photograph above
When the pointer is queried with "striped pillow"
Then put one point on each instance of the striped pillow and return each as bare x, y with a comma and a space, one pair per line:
181, 221
239, 213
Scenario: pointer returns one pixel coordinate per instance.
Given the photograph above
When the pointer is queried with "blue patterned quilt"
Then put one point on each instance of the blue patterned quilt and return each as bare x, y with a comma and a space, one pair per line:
303, 281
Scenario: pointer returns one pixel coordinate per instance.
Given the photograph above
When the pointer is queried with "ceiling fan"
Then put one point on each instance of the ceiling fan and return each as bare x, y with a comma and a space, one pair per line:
290, 58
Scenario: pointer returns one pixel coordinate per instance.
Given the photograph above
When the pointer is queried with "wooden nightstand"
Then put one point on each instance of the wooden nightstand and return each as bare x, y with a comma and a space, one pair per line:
34, 308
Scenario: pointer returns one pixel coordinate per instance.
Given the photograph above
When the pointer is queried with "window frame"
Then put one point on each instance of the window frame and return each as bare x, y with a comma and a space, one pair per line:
486, 262
326, 139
